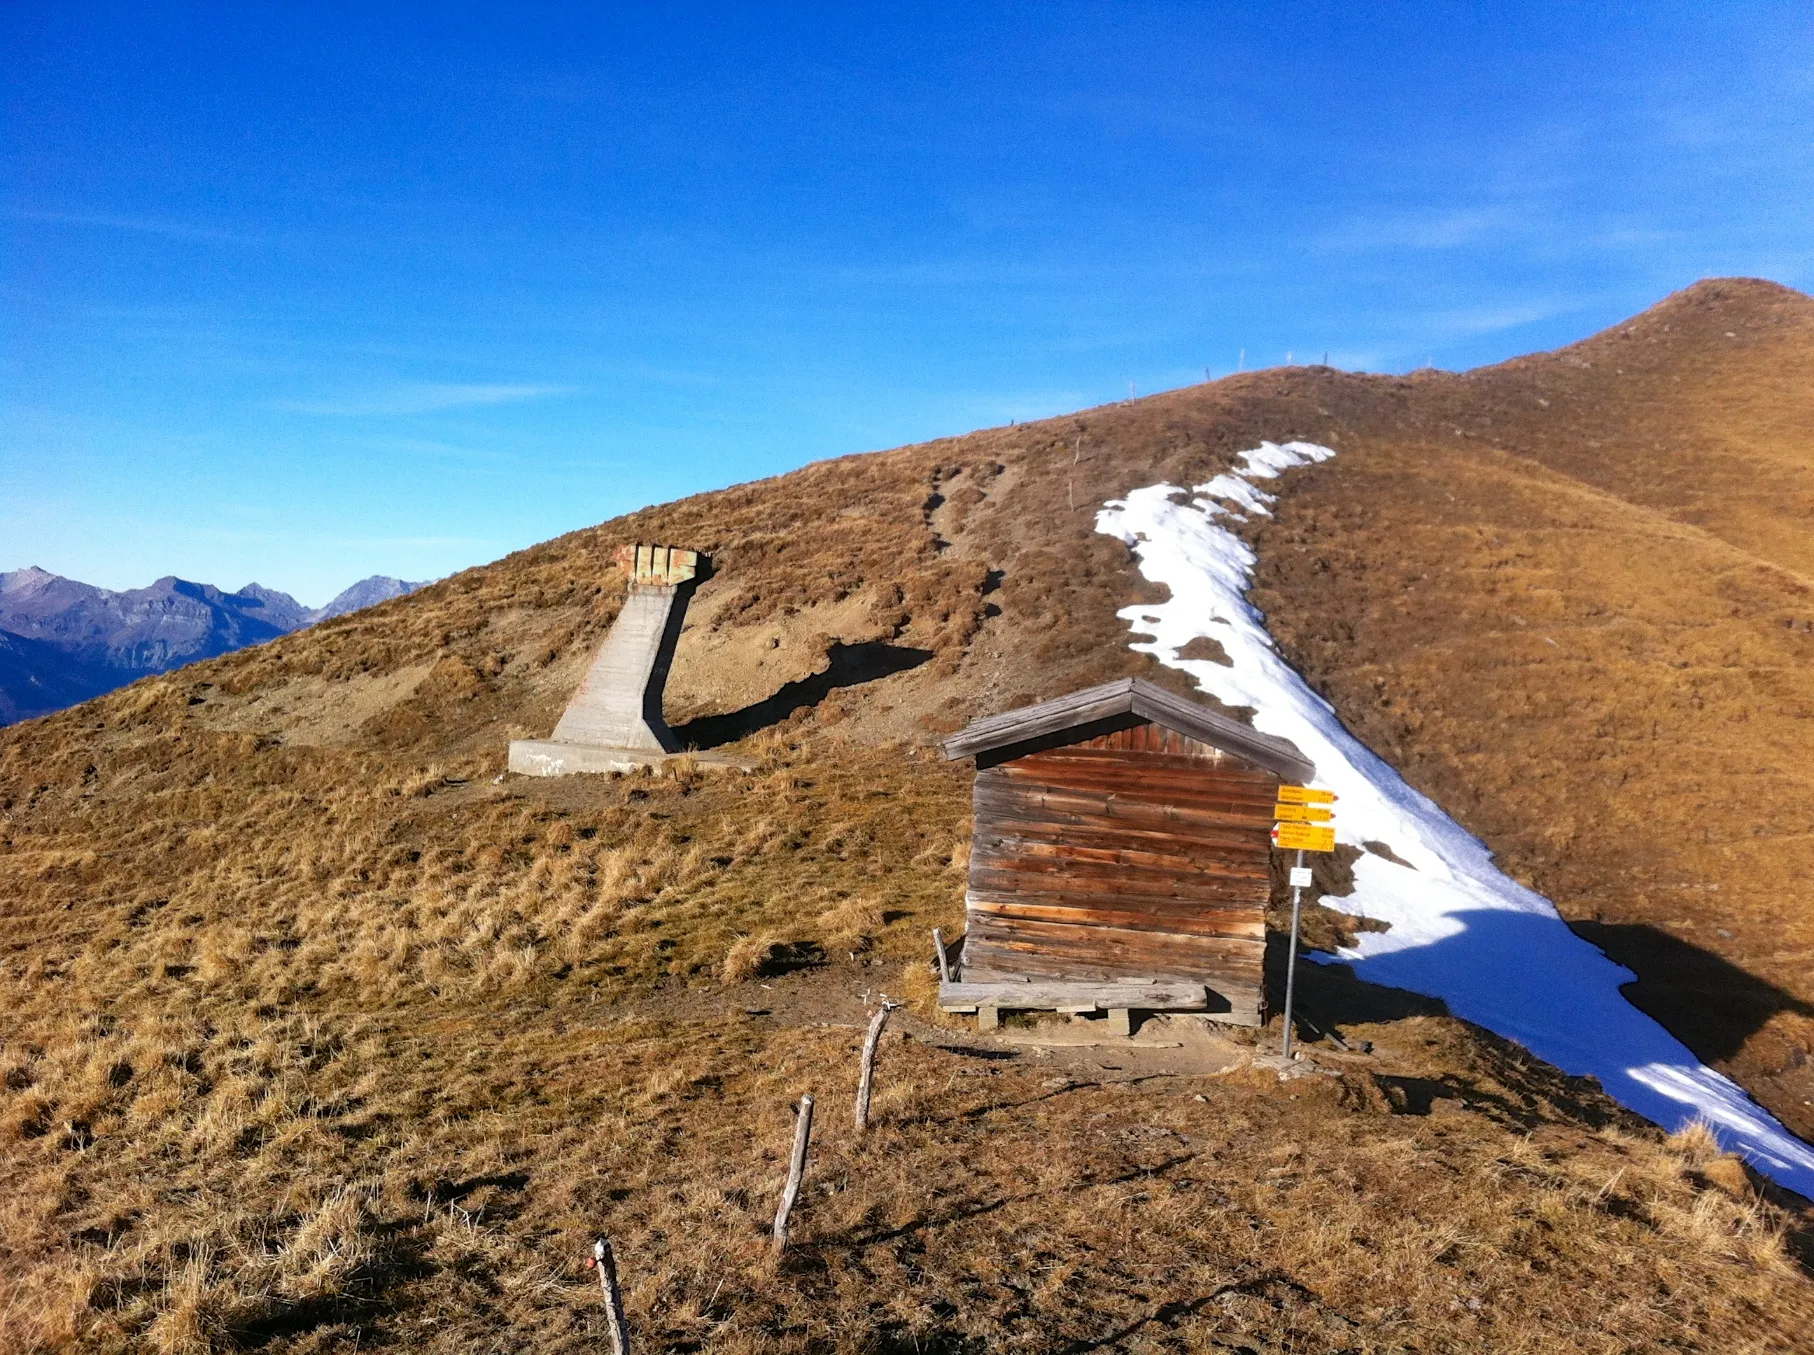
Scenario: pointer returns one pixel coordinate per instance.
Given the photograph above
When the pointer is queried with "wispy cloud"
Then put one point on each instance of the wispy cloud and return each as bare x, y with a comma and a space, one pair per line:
1416, 230
140, 225
423, 398
1470, 321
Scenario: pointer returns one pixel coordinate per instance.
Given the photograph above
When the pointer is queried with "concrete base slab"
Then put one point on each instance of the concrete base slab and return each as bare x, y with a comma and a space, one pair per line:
552, 757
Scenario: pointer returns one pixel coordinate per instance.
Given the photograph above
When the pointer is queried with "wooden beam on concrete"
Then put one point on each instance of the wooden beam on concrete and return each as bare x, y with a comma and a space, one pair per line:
1148, 995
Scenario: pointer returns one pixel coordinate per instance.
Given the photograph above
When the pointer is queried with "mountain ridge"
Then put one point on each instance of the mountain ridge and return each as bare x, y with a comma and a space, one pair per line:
77, 640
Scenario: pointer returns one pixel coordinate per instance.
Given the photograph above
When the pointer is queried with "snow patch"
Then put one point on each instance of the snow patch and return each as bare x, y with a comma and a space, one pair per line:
1497, 953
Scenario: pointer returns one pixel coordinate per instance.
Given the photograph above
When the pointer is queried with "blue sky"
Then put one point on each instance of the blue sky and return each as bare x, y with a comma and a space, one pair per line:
305, 293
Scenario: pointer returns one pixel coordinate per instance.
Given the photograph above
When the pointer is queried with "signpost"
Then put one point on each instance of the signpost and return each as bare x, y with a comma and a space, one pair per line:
1300, 822
1302, 814
1305, 837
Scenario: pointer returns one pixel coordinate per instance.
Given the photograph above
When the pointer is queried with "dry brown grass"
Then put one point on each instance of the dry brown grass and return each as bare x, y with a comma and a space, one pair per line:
435, 1182
315, 1036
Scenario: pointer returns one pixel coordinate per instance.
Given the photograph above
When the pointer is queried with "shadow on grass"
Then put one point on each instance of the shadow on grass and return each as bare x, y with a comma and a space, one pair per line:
849, 666
1704, 1000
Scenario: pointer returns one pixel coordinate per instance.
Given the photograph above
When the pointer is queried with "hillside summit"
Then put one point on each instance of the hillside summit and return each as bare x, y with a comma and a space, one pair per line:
318, 1035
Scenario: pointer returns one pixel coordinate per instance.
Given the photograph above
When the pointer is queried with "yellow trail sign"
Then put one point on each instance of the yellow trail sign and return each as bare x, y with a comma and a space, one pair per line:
1304, 837
1303, 813
1304, 795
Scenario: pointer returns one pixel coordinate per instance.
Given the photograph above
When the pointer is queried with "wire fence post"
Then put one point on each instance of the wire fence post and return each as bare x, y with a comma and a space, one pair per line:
606, 1263
867, 1074
803, 1132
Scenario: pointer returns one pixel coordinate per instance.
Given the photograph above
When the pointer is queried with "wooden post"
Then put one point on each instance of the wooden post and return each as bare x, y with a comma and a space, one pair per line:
614, 1299
874, 1038
944, 960
803, 1132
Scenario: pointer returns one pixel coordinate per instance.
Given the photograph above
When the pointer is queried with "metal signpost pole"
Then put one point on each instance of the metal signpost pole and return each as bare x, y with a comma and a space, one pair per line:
1291, 960
1305, 821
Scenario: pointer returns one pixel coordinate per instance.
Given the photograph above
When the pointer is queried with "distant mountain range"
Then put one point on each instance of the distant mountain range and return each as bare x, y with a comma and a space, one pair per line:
63, 642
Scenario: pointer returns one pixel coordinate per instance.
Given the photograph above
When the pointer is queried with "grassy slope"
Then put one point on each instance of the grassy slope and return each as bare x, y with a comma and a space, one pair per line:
1576, 605
316, 1035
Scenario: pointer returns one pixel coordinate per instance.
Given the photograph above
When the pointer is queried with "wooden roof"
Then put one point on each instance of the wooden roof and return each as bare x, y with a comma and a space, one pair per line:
1137, 697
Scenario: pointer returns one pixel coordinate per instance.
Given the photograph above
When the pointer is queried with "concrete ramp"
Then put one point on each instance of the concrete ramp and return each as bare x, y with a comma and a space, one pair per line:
614, 721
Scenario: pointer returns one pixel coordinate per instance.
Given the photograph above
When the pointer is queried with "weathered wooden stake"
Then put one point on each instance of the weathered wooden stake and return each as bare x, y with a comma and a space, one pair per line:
944, 960
874, 1038
803, 1132
614, 1299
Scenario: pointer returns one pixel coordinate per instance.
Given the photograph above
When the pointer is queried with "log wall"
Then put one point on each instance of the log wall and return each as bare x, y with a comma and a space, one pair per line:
1138, 853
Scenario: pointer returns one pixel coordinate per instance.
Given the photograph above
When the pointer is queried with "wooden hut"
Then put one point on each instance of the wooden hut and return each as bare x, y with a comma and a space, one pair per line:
1121, 858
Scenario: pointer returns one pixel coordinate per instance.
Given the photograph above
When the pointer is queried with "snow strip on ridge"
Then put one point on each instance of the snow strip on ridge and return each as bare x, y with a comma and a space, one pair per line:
1497, 953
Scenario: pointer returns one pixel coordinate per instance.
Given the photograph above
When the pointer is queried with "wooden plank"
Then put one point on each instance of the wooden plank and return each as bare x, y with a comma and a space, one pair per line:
1154, 911
1236, 1002
1037, 826
999, 965
1043, 848
1204, 843
1206, 879
1085, 760
1135, 915
1113, 950
1155, 898
1035, 950
1229, 925
1114, 853
1087, 906
1151, 782
1093, 798
1234, 987
1108, 810
1085, 996
1129, 950
1018, 840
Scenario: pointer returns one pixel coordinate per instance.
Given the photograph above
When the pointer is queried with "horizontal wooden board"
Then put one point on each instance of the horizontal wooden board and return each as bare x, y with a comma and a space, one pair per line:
1148, 783
1203, 769
1129, 951
1230, 998
1155, 910
1111, 850
1087, 900
1156, 797
1123, 768
1209, 862
1202, 823
1208, 876
1045, 826
1170, 996
1009, 888
1233, 926
1055, 841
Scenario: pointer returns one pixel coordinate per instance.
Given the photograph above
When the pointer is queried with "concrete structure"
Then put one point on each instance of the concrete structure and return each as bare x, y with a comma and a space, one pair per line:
614, 721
